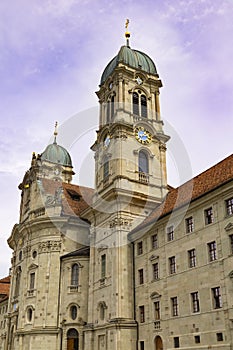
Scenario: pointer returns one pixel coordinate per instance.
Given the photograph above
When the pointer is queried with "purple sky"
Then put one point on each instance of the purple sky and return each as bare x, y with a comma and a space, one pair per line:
52, 54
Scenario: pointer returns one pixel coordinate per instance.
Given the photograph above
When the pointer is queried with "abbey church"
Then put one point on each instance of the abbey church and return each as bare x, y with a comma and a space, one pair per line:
133, 264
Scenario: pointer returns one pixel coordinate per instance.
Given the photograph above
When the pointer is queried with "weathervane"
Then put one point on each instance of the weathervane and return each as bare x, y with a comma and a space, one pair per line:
127, 34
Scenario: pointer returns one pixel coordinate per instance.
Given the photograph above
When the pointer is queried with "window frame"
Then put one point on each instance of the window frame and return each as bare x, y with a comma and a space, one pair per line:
172, 265
195, 302
154, 241
212, 251
170, 233
174, 307
229, 206
209, 216
140, 248
140, 276
189, 222
217, 297
192, 258
142, 314
74, 278
155, 271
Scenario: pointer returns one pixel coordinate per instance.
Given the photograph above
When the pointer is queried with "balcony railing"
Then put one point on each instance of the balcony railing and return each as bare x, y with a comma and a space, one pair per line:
143, 177
157, 325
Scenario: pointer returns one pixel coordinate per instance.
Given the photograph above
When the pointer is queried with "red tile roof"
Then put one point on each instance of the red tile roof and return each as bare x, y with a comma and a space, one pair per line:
75, 198
193, 189
4, 288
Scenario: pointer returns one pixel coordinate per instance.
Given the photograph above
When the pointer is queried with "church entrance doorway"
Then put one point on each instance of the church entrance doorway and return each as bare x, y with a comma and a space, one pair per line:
72, 339
158, 343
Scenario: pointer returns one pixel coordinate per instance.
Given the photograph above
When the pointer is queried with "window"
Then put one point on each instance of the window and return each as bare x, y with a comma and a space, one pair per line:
155, 271
192, 257
135, 104
73, 312
17, 281
176, 342
219, 336
74, 275
106, 168
170, 233
140, 248
142, 345
32, 281
231, 243
197, 339
172, 264
140, 276
20, 255
103, 266
217, 298
174, 303
212, 251
209, 218
141, 314
189, 224
143, 164
102, 307
229, 206
110, 109
29, 314
34, 254
195, 302
157, 310
154, 241
143, 106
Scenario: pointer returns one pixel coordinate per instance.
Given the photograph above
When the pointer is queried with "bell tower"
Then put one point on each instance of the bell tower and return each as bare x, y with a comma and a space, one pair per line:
130, 171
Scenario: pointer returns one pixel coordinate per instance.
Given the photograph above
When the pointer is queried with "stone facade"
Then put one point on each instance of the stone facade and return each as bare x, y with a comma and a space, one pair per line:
133, 264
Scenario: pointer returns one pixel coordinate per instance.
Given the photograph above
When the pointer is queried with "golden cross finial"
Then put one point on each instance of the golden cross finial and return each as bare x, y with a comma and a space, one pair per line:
55, 132
127, 34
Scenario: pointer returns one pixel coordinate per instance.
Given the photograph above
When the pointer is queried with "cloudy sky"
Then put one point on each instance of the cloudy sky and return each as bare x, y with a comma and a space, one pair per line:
52, 54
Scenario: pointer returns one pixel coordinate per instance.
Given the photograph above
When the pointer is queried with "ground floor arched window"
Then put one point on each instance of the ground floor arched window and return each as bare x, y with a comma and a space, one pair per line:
72, 339
158, 343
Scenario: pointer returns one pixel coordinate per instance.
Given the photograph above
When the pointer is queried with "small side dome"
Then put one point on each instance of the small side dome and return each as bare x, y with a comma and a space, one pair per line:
132, 58
57, 154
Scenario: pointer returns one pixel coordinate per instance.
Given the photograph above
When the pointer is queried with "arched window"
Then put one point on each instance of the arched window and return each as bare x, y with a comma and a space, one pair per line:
72, 339
135, 103
74, 275
17, 281
102, 313
29, 314
108, 112
143, 164
143, 106
112, 107
106, 168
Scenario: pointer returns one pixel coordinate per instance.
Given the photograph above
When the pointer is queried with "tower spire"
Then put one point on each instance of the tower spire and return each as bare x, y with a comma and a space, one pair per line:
55, 133
127, 34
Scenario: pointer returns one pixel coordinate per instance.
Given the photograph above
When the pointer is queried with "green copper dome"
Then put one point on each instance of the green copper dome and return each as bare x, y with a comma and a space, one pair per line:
133, 58
57, 154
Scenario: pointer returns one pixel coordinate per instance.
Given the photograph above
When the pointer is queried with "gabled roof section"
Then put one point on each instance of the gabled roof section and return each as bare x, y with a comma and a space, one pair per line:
209, 180
74, 199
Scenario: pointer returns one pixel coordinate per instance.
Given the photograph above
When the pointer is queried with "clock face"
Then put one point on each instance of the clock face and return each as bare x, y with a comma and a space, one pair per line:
142, 135
107, 141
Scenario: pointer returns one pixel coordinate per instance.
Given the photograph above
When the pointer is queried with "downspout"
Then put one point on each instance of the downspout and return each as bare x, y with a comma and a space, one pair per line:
134, 297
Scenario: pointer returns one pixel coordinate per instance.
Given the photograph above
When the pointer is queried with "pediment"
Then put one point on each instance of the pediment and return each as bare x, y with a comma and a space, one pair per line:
32, 267
229, 226
155, 295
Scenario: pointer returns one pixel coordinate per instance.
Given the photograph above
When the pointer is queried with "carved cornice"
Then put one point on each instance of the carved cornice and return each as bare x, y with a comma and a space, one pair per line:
119, 222
49, 246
